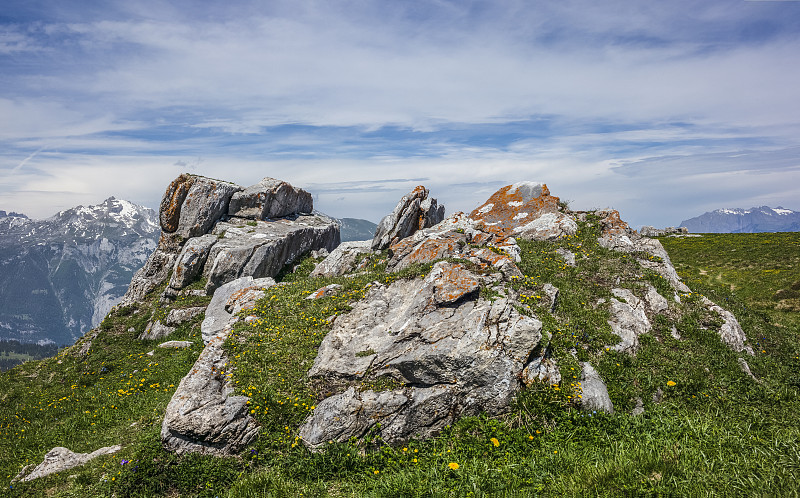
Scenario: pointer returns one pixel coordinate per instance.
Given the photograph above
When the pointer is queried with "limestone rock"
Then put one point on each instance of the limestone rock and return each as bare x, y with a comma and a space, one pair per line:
618, 236
203, 416
730, 332
326, 291
153, 273
453, 352
649, 231
217, 316
270, 198
60, 458
569, 257
415, 211
655, 301
262, 250
595, 394
342, 259
205, 202
156, 330
182, 315
189, 264
552, 293
628, 319
175, 344
526, 210
541, 369
245, 299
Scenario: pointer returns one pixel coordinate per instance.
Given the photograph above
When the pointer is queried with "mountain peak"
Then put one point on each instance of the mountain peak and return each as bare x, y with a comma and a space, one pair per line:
739, 220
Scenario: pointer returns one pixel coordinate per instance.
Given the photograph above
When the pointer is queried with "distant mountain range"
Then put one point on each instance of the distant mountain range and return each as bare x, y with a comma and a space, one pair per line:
753, 220
59, 277
356, 229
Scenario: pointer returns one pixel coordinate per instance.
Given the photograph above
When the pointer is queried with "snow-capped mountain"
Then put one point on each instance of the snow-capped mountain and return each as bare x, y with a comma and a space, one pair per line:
756, 219
60, 276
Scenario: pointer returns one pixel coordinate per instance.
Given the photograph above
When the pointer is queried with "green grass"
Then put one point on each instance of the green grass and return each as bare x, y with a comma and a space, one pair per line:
715, 431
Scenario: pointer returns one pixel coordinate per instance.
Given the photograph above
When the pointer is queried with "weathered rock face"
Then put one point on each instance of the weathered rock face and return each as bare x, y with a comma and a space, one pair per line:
191, 260
203, 416
415, 211
201, 236
618, 236
219, 311
270, 198
730, 332
262, 249
342, 259
455, 354
61, 458
192, 204
526, 210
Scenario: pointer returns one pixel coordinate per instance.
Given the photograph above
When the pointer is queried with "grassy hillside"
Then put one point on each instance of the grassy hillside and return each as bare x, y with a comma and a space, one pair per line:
714, 430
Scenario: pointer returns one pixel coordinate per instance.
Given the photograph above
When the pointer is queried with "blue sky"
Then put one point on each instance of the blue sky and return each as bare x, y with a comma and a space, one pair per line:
663, 110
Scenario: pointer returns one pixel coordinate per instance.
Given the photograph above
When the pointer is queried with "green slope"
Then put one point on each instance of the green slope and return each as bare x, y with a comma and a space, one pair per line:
716, 431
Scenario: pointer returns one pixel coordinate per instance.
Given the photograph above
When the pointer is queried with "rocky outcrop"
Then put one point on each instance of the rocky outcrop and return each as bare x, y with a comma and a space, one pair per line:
618, 236
219, 311
526, 210
453, 353
261, 249
223, 231
730, 331
415, 211
629, 319
203, 416
342, 259
270, 198
649, 231
61, 458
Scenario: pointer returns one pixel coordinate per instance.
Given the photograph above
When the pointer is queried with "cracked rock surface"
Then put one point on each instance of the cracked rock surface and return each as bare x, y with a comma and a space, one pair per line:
454, 354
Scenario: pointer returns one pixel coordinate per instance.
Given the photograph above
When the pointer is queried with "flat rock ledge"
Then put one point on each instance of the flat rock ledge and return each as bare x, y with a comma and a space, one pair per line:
60, 458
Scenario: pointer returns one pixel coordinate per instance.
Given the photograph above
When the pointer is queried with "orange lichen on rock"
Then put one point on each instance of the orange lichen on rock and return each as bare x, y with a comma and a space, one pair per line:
513, 206
170, 210
452, 282
411, 251
611, 223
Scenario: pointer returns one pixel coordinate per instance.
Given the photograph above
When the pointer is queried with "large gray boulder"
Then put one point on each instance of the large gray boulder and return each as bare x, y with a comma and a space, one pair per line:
628, 319
190, 262
453, 353
60, 458
263, 249
217, 317
342, 259
270, 198
192, 204
203, 416
415, 211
